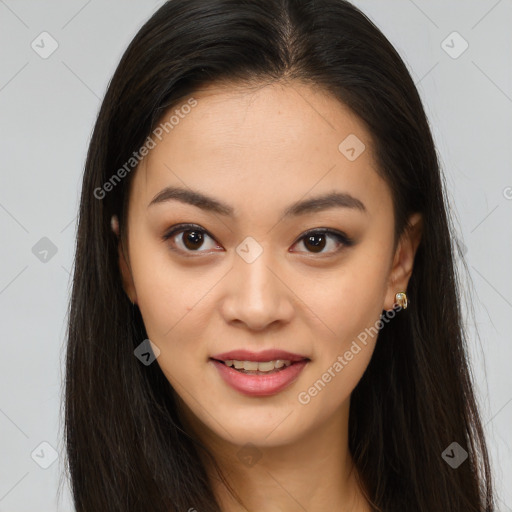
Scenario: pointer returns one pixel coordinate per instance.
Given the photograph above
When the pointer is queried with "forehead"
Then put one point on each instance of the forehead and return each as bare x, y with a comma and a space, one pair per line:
275, 143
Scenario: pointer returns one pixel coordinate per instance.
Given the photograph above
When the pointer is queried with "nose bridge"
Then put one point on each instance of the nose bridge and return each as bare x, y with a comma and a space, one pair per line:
257, 297
255, 278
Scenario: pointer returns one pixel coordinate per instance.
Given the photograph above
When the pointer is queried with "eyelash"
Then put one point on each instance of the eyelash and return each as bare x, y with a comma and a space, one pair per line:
343, 239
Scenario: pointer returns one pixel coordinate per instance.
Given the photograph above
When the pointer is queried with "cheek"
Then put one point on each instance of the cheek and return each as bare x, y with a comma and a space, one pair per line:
349, 304
169, 305
345, 300
168, 296
341, 358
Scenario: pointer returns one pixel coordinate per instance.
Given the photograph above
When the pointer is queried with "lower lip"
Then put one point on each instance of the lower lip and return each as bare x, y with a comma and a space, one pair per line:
259, 385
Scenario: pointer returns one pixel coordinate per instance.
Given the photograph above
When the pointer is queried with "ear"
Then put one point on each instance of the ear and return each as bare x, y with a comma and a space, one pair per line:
403, 261
124, 267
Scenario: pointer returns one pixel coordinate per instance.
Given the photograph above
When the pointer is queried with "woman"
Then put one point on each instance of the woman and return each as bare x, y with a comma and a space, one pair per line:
265, 311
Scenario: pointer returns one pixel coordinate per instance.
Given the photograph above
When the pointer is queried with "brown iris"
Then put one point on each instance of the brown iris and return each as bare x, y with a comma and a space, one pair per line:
193, 240
317, 244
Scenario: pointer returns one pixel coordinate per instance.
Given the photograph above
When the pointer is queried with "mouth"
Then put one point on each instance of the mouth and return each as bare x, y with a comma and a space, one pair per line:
259, 367
263, 374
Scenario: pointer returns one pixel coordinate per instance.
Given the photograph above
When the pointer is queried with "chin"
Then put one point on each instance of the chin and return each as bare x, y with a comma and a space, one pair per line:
263, 434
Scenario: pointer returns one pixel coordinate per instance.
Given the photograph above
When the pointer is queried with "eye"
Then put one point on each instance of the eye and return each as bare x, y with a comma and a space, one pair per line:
189, 238
317, 240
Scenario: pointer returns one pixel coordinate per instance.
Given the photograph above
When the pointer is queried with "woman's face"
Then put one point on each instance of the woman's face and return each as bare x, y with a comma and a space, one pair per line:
245, 276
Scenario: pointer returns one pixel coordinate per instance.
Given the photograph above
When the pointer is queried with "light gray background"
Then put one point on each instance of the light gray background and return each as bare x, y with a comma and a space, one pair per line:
48, 107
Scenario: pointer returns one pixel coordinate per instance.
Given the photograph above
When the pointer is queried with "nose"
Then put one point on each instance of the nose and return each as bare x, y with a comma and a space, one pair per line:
257, 295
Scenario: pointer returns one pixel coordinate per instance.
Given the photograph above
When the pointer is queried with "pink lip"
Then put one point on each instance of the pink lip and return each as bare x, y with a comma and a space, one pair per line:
265, 355
259, 385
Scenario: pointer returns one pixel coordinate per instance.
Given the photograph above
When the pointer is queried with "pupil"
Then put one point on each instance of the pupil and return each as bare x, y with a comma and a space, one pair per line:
194, 237
317, 245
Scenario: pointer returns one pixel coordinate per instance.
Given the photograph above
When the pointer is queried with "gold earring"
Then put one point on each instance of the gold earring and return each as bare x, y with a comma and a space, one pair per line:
114, 224
401, 299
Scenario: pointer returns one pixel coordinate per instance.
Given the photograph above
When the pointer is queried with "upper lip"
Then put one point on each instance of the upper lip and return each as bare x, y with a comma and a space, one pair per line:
265, 355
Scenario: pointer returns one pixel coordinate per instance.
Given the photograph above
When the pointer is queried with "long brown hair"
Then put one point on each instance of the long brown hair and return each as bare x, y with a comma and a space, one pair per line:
126, 447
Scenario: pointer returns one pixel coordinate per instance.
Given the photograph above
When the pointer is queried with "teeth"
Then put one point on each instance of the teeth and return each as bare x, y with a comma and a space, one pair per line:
264, 366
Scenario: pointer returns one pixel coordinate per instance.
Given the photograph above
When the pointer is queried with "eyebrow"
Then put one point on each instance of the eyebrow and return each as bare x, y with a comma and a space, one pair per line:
207, 203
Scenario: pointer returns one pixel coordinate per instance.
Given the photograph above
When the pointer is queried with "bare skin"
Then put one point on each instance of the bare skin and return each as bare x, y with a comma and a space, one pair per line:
259, 151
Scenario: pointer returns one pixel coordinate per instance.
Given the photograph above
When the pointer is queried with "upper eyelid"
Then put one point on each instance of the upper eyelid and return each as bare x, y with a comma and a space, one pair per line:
175, 230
